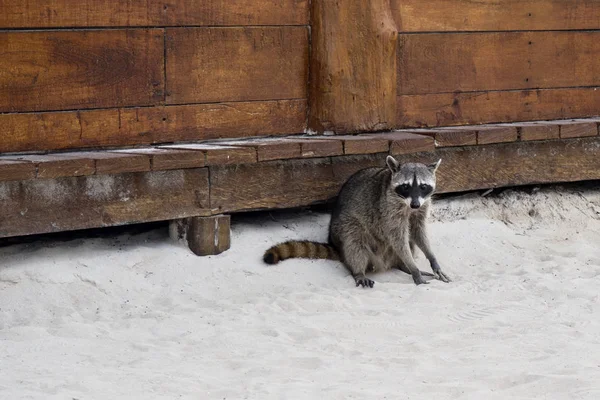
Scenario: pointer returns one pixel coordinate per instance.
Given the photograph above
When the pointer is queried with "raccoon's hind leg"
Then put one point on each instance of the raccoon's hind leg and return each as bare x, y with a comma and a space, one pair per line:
355, 256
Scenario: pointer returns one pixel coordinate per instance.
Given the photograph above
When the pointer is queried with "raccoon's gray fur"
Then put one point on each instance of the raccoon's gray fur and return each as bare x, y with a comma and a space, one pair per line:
379, 217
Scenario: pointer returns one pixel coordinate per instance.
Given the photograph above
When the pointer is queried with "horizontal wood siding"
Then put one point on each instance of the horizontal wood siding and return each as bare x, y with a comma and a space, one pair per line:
236, 64
137, 126
86, 69
434, 63
473, 62
503, 106
495, 15
111, 13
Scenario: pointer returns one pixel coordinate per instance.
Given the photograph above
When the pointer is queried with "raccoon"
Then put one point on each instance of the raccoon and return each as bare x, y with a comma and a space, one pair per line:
377, 222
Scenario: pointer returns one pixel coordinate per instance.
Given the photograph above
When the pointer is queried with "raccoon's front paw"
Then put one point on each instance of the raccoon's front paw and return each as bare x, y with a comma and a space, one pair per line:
418, 278
438, 273
364, 282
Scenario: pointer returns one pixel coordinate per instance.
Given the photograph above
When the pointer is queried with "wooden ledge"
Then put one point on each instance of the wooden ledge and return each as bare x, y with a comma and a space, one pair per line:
259, 150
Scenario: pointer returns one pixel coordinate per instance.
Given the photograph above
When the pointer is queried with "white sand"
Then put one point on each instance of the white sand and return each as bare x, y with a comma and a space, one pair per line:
136, 317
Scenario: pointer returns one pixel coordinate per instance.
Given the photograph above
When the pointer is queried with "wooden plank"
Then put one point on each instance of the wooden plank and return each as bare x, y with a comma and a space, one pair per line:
438, 63
145, 126
538, 131
573, 129
114, 163
517, 163
268, 149
271, 184
406, 143
219, 155
53, 205
507, 106
236, 64
114, 13
353, 66
357, 144
450, 137
311, 147
494, 15
162, 159
16, 170
81, 69
58, 165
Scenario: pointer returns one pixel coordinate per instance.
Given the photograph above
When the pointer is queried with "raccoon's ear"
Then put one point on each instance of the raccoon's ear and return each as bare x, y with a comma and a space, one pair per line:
392, 163
433, 167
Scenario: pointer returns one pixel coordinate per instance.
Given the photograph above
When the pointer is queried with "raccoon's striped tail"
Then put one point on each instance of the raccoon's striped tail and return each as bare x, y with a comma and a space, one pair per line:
300, 249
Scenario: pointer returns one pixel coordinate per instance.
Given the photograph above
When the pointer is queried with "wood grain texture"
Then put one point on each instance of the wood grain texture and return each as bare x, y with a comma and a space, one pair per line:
268, 149
450, 137
310, 147
145, 126
220, 155
236, 64
359, 144
353, 66
114, 13
272, 184
161, 159
58, 165
489, 107
537, 131
573, 129
494, 15
438, 63
53, 205
406, 143
81, 69
115, 163
16, 170
205, 236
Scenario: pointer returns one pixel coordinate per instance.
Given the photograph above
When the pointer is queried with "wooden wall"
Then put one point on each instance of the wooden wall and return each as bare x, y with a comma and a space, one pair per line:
92, 73
469, 62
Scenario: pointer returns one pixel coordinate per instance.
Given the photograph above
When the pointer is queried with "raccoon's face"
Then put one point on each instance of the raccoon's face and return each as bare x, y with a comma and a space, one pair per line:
414, 183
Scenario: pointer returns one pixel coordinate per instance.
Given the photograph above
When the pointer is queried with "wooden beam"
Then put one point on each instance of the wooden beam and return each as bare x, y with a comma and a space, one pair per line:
114, 13
81, 69
470, 62
444, 109
494, 15
353, 66
206, 65
149, 125
53, 205
204, 236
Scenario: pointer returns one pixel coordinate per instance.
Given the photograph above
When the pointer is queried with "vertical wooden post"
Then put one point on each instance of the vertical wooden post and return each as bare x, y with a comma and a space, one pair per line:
204, 235
353, 66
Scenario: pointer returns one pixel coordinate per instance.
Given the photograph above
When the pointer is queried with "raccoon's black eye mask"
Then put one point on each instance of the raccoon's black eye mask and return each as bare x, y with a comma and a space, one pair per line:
405, 190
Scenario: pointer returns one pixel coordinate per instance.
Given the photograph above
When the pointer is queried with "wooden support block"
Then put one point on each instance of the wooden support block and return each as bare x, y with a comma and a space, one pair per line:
16, 170
450, 137
58, 165
406, 143
163, 159
219, 155
205, 236
268, 149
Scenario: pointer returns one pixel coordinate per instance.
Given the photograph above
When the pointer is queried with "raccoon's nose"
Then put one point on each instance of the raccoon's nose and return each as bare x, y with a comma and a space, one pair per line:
414, 204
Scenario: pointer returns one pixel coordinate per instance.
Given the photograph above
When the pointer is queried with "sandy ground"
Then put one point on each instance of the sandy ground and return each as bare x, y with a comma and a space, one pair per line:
137, 317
